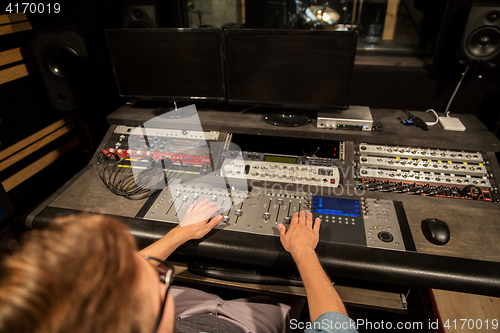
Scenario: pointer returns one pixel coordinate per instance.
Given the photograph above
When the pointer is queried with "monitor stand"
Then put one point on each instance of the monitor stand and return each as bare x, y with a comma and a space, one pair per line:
167, 112
287, 119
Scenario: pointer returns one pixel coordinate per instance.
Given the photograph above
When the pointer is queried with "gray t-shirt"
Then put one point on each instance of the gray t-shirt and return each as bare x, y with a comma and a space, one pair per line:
205, 323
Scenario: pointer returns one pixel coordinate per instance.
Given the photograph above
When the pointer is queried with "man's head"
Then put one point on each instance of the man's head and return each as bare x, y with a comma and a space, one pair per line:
81, 274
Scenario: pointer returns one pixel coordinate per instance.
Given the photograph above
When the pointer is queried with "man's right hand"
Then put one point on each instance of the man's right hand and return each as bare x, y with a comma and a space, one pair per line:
300, 240
301, 236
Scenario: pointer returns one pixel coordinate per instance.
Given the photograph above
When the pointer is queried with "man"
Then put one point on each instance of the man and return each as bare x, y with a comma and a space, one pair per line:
77, 276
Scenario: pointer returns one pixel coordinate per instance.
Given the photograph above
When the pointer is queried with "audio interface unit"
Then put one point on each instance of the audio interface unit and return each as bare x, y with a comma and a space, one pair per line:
138, 146
426, 171
281, 172
357, 118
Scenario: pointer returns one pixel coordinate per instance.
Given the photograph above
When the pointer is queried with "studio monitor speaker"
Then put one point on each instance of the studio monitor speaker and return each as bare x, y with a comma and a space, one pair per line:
139, 14
62, 58
481, 37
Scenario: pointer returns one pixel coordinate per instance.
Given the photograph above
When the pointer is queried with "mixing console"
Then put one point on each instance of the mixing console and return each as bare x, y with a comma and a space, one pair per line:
360, 221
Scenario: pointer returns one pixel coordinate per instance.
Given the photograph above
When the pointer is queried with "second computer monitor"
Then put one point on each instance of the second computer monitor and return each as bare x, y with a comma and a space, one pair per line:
290, 68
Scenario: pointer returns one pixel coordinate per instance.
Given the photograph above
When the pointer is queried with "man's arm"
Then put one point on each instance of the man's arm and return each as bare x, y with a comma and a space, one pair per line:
300, 240
194, 225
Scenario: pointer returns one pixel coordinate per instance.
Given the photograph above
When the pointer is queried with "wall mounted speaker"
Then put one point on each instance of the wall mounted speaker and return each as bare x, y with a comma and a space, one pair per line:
139, 14
481, 37
62, 58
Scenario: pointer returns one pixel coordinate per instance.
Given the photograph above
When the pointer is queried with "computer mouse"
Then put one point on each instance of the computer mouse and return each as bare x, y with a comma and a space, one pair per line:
436, 231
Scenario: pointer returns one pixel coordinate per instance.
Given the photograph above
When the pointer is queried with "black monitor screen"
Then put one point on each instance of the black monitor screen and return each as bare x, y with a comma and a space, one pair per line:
290, 68
168, 64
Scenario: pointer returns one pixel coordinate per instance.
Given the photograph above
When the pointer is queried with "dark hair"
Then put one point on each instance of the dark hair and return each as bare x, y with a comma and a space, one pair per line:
77, 275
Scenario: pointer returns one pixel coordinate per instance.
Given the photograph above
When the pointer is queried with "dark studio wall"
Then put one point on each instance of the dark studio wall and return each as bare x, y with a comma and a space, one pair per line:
42, 147
43, 143
395, 87
431, 86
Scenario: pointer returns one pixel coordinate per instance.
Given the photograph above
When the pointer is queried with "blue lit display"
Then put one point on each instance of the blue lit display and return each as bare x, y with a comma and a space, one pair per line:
336, 206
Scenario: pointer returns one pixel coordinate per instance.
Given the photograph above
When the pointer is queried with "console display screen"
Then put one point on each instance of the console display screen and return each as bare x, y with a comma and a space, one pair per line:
336, 206
280, 159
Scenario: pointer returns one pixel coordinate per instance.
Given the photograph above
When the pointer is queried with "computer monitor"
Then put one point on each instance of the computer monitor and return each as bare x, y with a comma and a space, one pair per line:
307, 69
168, 64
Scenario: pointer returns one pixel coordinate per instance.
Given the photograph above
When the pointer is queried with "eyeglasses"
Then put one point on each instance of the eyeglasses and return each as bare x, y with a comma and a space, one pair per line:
166, 275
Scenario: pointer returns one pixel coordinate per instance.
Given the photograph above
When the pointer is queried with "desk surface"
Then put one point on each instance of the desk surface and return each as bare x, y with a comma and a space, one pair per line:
476, 137
468, 263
